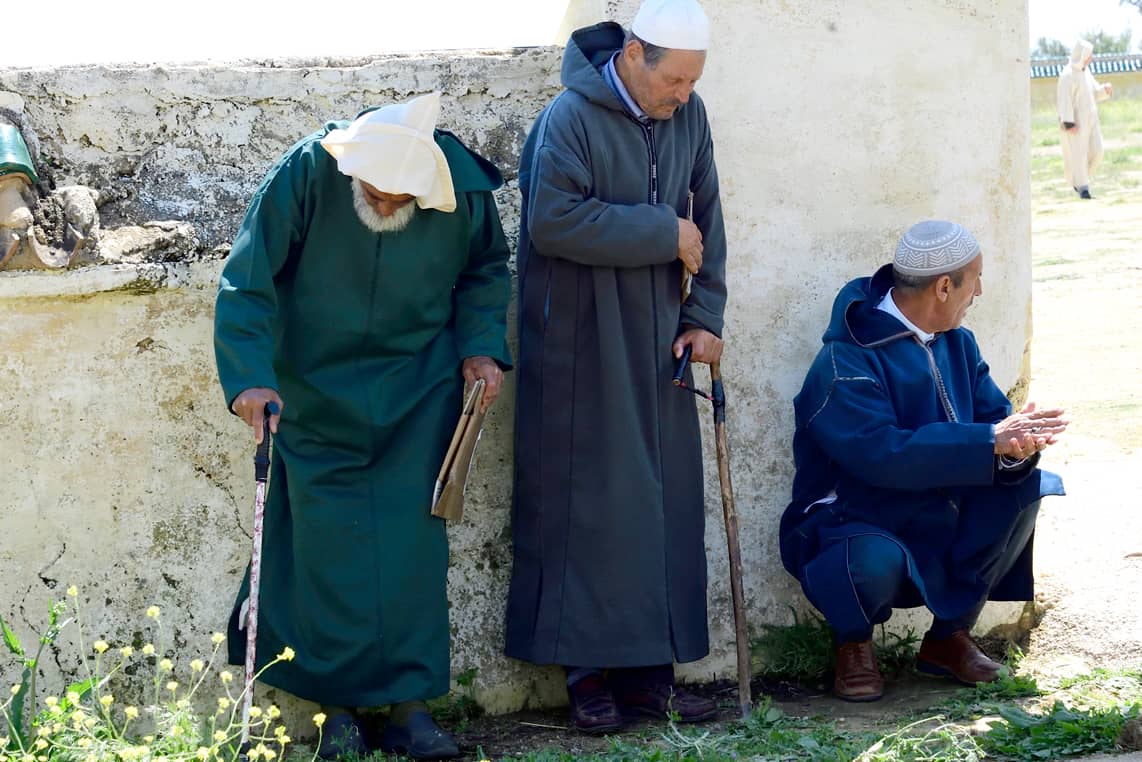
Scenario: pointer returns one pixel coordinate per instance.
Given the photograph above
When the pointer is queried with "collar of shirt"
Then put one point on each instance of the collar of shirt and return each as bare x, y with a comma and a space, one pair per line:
888, 304
615, 82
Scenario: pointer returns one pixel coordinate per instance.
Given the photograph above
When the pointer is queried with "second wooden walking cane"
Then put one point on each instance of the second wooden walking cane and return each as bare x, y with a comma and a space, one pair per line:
717, 396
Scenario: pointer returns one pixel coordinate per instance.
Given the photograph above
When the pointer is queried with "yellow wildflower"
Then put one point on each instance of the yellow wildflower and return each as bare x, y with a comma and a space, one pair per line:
319, 719
269, 753
73, 697
44, 731
131, 712
255, 711
127, 651
273, 712
40, 744
51, 700
219, 735
107, 700
15, 689
225, 676
73, 591
286, 654
100, 646
153, 612
223, 704
172, 686
148, 740
217, 638
166, 665
202, 753
148, 650
196, 665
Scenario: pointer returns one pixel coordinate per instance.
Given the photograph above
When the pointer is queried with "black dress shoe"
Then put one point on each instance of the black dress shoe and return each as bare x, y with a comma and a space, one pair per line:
593, 708
1085, 194
419, 738
341, 735
665, 701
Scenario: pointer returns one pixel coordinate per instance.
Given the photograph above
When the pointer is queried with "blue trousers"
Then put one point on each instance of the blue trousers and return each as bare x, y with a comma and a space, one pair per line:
878, 568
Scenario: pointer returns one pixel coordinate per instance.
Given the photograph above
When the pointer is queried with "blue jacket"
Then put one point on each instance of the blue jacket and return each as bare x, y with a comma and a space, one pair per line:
902, 432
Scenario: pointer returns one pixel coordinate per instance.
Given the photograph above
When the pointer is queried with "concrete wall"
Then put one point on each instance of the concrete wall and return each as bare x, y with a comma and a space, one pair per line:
837, 125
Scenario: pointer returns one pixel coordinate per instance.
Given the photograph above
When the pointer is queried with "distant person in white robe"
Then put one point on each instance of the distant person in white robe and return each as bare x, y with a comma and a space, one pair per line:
1078, 92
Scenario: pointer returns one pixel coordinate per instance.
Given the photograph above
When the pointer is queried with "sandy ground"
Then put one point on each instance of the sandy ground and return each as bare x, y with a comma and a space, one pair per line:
1086, 353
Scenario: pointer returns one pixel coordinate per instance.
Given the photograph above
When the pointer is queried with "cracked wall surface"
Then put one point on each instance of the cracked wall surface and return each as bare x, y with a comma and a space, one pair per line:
836, 126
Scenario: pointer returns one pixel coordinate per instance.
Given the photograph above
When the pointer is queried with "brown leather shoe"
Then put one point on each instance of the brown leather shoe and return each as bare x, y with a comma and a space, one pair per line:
593, 708
857, 677
956, 656
664, 701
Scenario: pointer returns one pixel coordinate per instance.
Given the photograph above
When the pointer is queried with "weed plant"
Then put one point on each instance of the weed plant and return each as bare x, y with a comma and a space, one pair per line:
88, 723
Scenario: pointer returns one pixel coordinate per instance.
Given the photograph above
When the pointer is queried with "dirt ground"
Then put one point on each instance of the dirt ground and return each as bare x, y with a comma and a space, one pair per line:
1086, 352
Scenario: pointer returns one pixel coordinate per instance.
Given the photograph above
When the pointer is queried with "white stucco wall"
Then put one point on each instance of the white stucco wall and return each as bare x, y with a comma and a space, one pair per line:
837, 125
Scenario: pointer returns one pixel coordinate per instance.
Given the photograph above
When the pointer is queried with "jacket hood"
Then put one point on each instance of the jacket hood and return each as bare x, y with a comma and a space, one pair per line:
855, 318
1081, 50
587, 50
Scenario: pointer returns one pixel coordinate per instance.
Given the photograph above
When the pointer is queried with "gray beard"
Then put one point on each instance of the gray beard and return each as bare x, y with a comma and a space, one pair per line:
370, 218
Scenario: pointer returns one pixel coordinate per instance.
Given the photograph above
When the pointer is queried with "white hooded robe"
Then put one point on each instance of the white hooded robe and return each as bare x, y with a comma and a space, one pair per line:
1078, 91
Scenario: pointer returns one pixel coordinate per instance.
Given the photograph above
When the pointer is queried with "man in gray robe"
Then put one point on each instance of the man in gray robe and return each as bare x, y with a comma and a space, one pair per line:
609, 576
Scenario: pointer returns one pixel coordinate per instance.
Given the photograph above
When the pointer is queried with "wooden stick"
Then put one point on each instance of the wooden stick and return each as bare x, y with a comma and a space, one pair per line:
733, 543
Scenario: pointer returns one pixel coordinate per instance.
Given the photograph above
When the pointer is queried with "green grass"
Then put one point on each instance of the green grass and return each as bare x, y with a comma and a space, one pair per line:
804, 651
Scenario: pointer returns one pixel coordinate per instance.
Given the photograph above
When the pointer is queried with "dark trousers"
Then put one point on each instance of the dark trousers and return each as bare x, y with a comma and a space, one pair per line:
879, 572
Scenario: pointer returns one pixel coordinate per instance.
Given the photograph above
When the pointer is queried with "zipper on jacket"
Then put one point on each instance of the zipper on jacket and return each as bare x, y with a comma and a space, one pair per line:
652, 154
941, 390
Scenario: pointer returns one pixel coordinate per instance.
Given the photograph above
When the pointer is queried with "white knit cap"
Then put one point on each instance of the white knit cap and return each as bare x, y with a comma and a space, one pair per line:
934, 247
393, 150
675, 24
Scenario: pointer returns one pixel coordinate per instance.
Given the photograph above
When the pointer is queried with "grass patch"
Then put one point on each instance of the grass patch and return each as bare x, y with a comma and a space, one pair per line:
1061, 732
804, 651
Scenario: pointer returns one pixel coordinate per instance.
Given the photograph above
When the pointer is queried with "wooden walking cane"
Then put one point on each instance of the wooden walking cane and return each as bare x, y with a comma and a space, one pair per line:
261, 476
717, 396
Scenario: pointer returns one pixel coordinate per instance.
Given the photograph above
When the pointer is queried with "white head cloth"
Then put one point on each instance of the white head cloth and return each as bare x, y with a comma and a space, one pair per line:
1079, 53
393, 150
934, 247
675, 24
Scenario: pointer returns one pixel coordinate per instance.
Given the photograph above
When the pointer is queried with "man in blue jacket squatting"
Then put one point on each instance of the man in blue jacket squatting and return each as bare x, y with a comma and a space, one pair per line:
915, 484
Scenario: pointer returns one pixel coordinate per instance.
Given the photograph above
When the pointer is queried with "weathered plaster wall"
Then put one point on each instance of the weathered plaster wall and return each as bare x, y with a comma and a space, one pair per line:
837, 124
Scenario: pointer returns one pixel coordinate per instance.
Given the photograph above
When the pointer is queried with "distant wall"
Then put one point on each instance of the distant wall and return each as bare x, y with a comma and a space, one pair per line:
837, 125
1126, 85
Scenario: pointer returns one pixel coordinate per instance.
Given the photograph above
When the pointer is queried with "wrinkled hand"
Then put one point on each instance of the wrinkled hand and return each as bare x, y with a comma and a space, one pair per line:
1027, 432
485, 368
689, 245
705, 346
250, 406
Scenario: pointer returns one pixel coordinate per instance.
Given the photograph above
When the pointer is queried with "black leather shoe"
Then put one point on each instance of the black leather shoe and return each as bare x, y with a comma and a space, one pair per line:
341, 735
593, 707
419, 738
664, 701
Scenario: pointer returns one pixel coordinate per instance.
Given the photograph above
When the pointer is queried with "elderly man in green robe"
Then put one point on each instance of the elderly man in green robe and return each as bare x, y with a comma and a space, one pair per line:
367, 283
609, 576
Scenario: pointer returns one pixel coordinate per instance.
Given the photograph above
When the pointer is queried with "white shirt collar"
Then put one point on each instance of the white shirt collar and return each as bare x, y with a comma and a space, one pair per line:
888, 304
612, 78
